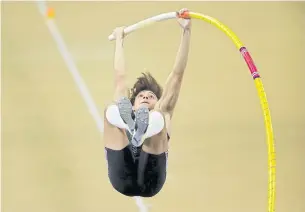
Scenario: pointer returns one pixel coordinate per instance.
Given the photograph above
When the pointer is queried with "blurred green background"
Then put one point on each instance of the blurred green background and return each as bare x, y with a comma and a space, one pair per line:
52, 152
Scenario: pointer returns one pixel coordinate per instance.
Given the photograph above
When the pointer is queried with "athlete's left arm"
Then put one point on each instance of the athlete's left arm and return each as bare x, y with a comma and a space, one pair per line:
119, 65
173, 83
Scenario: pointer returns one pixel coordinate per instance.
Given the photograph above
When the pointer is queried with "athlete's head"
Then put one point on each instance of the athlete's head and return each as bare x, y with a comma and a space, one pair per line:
146, 91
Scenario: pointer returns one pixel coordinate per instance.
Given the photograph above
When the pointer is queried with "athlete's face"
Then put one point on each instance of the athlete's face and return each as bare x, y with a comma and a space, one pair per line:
145, 98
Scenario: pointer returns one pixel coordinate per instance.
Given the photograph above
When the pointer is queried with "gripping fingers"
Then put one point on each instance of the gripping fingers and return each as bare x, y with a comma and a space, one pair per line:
183, 13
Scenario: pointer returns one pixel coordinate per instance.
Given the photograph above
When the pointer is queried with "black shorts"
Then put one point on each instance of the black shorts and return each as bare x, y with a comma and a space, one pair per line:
143, 176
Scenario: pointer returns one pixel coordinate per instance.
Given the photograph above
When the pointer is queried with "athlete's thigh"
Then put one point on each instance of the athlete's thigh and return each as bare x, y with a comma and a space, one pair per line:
152, 171
157, 144
122, 171
114, 137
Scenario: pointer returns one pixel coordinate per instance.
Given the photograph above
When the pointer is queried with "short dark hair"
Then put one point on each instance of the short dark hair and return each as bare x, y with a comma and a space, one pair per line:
145, 82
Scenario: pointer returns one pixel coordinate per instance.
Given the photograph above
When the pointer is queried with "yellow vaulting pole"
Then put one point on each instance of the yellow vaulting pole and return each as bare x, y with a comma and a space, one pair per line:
262, 96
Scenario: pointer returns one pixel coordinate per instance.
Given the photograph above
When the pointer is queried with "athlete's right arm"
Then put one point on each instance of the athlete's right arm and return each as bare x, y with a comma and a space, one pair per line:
119, 65
173, 83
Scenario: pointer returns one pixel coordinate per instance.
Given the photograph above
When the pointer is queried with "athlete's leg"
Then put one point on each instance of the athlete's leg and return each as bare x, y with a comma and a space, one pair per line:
145, 124
156, 141
148, 124
114, 129
122, 170
153, 158
152, 172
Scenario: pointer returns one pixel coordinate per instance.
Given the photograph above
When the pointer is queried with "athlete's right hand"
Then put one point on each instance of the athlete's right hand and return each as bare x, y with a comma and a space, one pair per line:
118, 33
185, 23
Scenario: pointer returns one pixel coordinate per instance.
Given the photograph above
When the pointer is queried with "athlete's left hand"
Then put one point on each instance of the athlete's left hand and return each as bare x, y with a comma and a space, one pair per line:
119, 33
185, 23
